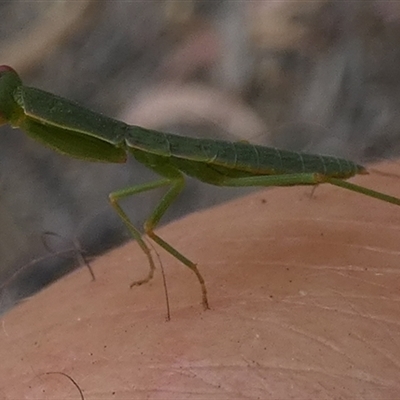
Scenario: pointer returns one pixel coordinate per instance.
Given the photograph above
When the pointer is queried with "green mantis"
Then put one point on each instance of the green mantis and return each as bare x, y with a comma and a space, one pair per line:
75, 131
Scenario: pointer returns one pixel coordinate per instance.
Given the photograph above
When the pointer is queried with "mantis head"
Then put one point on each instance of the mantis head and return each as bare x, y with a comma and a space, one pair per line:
9, 83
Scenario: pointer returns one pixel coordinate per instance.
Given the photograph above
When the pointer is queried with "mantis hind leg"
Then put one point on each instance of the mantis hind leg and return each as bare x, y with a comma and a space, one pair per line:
176, 187
176, 183
306, 179
364, 190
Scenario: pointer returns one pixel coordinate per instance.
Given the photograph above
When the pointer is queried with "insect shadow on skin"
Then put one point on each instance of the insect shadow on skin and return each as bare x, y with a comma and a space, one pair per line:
73, 130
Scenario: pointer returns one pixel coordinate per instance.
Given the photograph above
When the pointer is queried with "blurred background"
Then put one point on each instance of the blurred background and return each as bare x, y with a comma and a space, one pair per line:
311, 76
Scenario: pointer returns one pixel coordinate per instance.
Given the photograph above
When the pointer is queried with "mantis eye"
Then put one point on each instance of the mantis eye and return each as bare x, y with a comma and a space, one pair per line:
4, 69
9, 82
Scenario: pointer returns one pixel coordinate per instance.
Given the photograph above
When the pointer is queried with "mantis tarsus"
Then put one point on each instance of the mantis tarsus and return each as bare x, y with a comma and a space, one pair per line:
71, 129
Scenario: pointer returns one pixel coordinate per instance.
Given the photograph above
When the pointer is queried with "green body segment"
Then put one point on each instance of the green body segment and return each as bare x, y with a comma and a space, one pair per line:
69, 128
56, 111
204, 158
76, 131
208, 160
73, 130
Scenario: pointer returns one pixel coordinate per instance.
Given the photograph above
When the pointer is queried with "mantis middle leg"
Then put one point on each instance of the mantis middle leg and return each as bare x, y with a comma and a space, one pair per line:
176, 184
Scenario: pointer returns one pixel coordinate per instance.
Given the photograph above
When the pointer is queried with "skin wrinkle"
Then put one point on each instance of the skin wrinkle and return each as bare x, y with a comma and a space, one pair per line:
345, 312
316, 267
195, 373
311, 220
325, 241
380, 350
329, 344
305, 369
316, 304
367, 281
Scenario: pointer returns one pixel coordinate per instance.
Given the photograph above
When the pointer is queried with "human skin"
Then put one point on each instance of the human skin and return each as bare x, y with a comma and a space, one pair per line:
304, 293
